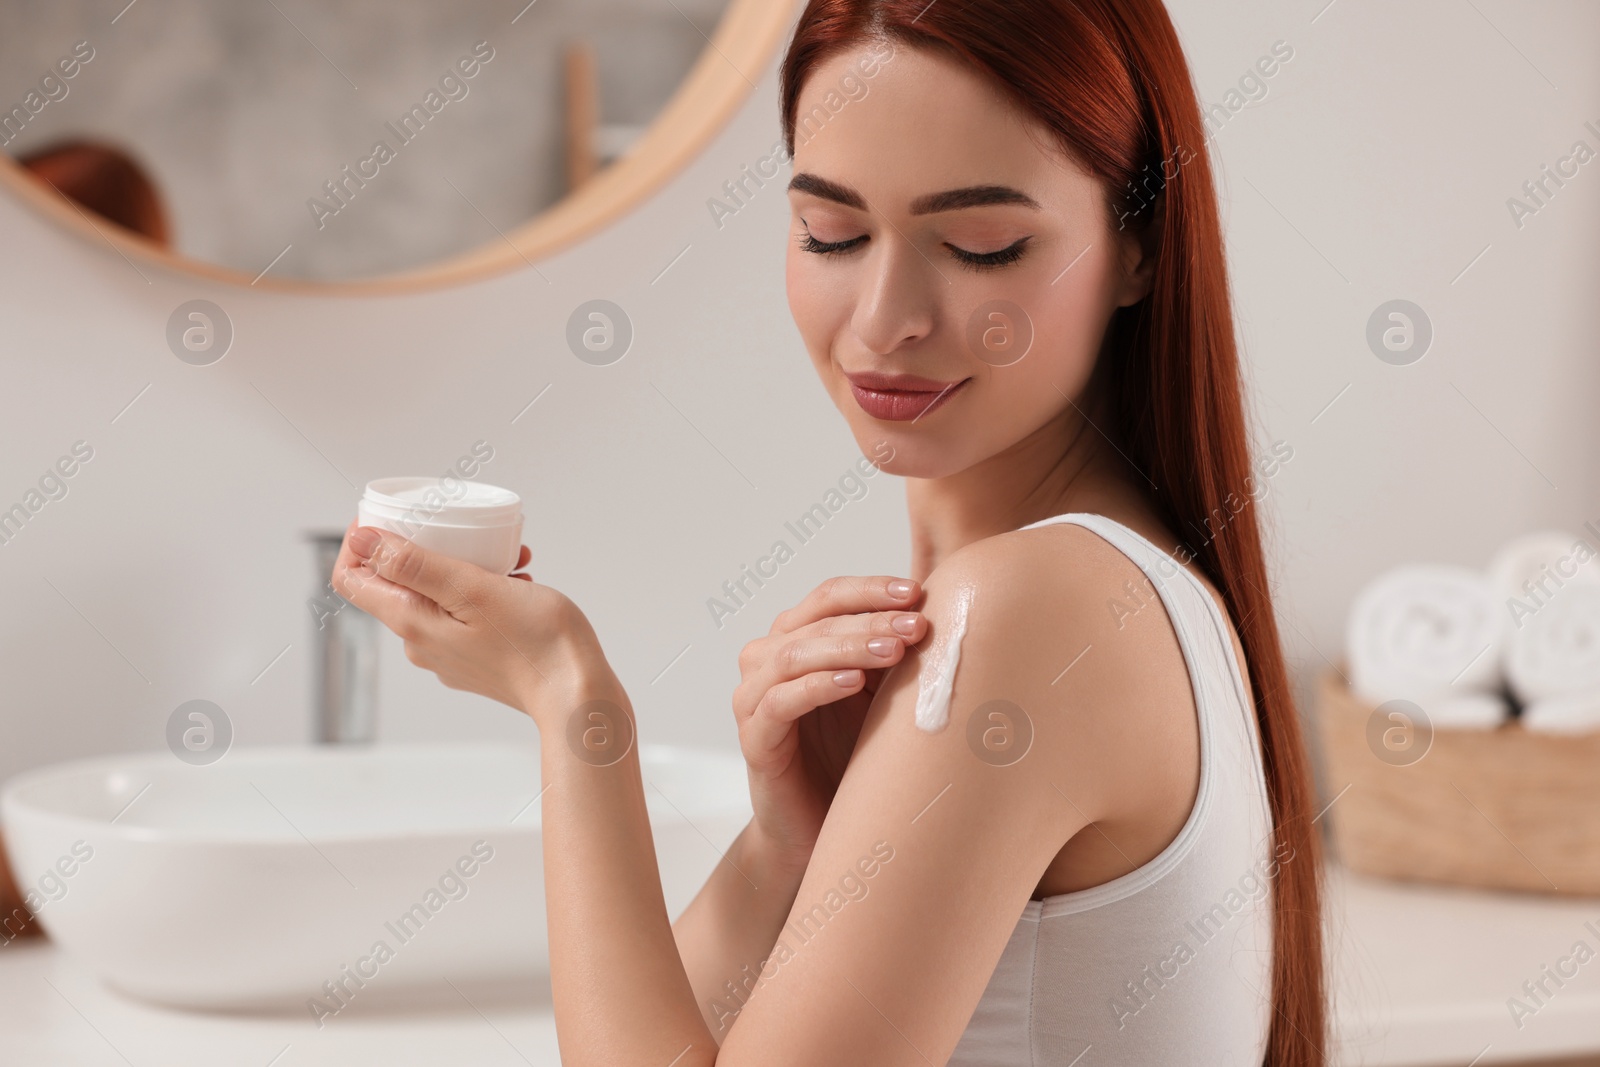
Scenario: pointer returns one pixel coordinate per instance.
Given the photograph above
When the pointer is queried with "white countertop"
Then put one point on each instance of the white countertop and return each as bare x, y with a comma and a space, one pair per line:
55, 1013
1422, 974
1422, 977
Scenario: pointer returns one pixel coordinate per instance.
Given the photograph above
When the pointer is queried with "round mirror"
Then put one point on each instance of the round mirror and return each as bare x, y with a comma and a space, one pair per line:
362, 145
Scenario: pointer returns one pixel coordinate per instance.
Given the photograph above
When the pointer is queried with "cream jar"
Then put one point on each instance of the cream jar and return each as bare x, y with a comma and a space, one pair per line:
465, 520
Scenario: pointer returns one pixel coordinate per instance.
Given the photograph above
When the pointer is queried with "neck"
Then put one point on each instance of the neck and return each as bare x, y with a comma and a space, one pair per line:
1066, 465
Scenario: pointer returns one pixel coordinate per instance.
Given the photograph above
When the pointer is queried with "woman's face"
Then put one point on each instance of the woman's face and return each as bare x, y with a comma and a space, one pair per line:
952, 272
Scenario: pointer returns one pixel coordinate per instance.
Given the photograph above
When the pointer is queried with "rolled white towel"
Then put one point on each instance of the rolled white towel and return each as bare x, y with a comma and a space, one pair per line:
1423, 630
1556, 652
1467, 711
1528, 571
1576, 713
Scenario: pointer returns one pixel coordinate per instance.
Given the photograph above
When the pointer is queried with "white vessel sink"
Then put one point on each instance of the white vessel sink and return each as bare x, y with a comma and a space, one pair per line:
252, 882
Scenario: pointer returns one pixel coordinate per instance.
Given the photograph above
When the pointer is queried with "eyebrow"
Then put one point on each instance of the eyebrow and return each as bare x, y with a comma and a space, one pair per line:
949, 200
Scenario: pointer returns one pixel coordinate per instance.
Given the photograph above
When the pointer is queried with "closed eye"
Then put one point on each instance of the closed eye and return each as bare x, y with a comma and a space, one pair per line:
990, 260
810, 244
979, 261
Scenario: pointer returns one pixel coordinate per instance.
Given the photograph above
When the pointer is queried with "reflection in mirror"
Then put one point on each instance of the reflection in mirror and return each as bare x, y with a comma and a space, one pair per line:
334, 141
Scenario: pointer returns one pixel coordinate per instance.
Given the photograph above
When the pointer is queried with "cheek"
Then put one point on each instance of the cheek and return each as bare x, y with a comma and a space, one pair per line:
818, 304
1075, 317
1068, 321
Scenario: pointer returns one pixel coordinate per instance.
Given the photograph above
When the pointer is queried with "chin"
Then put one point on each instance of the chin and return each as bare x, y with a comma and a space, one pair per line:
906, 452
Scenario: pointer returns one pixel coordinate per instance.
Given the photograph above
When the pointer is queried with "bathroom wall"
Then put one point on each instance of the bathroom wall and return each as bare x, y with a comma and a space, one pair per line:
1376, 166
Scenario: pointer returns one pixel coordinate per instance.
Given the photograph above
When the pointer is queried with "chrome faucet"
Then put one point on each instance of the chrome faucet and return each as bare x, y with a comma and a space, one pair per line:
346, 672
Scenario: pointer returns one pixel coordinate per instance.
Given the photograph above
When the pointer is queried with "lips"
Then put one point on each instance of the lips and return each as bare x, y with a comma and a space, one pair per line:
901, 397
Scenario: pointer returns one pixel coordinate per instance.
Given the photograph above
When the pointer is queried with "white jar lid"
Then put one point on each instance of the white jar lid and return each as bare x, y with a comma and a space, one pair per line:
442, 502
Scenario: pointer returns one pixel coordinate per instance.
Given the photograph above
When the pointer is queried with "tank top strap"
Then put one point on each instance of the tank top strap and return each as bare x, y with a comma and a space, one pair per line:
1202, 629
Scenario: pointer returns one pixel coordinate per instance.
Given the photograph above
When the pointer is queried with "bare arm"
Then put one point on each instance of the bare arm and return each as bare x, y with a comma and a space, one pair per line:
804, 691
620, 989
731, 925
924, 862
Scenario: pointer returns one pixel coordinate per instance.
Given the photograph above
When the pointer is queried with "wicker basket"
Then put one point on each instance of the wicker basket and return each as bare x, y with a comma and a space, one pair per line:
1500, 809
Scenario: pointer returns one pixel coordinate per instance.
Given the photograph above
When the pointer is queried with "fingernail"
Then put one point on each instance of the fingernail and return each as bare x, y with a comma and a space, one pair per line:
364, 542
906, 624
882, 646
846, 679
900, 588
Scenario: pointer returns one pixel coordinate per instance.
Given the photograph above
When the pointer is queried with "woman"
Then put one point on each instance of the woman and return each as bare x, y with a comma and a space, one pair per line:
1007, 268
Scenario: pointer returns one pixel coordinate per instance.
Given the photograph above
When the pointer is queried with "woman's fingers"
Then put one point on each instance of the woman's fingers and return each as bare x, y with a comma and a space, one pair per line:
865, 642
522, 561
849, 595
447, 582
764, 735
346, 558
401, 609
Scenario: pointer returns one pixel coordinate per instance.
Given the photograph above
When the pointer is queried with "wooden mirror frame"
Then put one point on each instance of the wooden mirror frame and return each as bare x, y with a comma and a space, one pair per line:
746, 38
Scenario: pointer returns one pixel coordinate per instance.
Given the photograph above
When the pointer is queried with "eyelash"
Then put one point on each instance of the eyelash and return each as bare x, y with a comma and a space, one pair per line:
810, 244
979, 261
990, 260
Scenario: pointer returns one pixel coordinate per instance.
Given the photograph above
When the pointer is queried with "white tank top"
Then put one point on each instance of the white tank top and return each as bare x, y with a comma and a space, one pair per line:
1171, 963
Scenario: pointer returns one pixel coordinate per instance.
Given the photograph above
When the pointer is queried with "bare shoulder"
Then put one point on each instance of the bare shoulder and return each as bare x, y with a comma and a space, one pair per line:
1066, 627
1060, 598
959, 822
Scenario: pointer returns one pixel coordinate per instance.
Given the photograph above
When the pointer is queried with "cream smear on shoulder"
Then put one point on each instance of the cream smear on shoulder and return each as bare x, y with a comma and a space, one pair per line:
937, 678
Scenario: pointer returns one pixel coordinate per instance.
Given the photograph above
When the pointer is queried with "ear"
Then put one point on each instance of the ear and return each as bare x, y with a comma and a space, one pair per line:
1137, 253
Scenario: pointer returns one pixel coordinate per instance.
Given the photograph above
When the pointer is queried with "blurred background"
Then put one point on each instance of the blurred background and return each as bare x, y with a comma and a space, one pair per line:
229, 107
1378, 163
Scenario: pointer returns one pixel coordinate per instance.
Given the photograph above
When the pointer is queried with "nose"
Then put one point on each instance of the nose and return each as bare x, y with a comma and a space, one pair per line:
898, 305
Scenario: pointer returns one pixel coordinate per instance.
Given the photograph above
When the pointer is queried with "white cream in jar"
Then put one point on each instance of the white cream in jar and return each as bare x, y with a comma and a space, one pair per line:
470, 521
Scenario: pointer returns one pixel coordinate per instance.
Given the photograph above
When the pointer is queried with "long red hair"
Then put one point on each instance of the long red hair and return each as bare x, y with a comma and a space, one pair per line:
1109, 79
